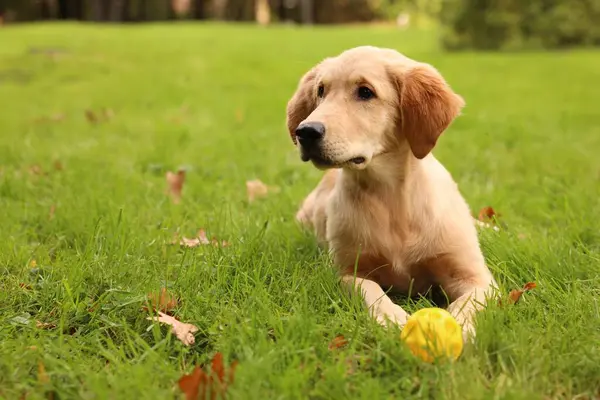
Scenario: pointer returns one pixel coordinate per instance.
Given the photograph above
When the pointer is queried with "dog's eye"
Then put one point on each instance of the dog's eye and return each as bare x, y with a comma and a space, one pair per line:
364, 93
321, 91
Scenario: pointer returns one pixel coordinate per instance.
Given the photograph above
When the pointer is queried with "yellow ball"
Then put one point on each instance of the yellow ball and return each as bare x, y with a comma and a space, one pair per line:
433, 333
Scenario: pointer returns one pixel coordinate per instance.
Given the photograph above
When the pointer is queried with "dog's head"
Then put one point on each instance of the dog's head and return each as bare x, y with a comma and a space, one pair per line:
351, 108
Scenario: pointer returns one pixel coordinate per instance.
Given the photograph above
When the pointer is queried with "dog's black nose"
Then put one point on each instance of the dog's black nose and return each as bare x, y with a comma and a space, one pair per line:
310, 133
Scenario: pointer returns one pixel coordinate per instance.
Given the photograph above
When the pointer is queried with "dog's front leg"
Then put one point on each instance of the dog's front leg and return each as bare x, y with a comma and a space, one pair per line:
468, 301
380, 306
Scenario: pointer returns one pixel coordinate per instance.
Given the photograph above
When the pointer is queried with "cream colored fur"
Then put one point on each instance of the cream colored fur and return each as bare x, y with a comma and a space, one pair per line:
390, 213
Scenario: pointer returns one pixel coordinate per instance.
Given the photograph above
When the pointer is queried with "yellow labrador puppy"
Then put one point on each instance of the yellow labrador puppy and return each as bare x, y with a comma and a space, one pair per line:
390, 213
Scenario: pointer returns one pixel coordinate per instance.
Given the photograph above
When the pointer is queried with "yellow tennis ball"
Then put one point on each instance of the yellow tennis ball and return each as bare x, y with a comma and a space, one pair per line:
433, 333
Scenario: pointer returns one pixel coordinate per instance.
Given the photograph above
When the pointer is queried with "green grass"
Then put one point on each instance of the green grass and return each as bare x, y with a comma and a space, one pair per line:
212, 98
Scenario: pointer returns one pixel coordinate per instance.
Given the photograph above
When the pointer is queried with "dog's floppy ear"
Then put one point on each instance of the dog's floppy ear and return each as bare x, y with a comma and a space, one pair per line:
427, 107
302, 103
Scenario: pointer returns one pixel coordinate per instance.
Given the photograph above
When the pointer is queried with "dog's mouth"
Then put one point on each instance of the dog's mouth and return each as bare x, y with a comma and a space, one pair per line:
357, 160
325, 162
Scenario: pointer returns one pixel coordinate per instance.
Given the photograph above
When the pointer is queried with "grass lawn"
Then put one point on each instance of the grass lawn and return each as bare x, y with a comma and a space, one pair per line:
212, 98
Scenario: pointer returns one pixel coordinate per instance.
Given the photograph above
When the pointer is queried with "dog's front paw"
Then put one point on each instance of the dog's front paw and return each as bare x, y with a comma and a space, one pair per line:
392, 315
468, 332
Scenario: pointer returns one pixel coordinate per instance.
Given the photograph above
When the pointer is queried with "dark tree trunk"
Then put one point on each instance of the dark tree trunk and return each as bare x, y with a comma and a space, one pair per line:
63, 9
308, 13
142, 10
199, 9
171, 11
70, 9
96, 11
116, 10
78, 10
127, 11
281, 14
45, 9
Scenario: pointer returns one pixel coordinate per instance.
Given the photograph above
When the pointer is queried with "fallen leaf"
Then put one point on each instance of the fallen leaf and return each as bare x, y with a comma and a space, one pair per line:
338, 342
204, 239
42, 375
53, 118
515, 295
44, 379
183, 331
91, 116
186, 242
44, 325
52, 211
488, 214
162, 302
191, 384
108, 113
36, 170
25, 286
217, 368
257, 189
199, 383
175, 183
200, 239
32, 347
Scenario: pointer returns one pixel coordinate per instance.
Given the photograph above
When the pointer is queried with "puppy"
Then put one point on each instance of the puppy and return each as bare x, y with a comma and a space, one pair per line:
389, 212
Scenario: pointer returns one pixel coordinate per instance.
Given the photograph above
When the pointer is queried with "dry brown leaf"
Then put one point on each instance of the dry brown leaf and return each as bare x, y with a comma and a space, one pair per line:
199, 383
91, 116
108, 113
44, 325
52, 118
338, 342
187, 242
256, 189
163, 301
488, 214
200, 239
183, 331
175, 181
191, 384
204, 239
42, 375
36, 170
44, 379
25, 286
515, 295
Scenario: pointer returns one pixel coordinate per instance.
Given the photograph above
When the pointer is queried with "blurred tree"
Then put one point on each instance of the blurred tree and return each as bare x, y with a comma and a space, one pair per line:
45, 9
516, 24
307, 11
199, 9
119, 10
70, 9
99, 10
